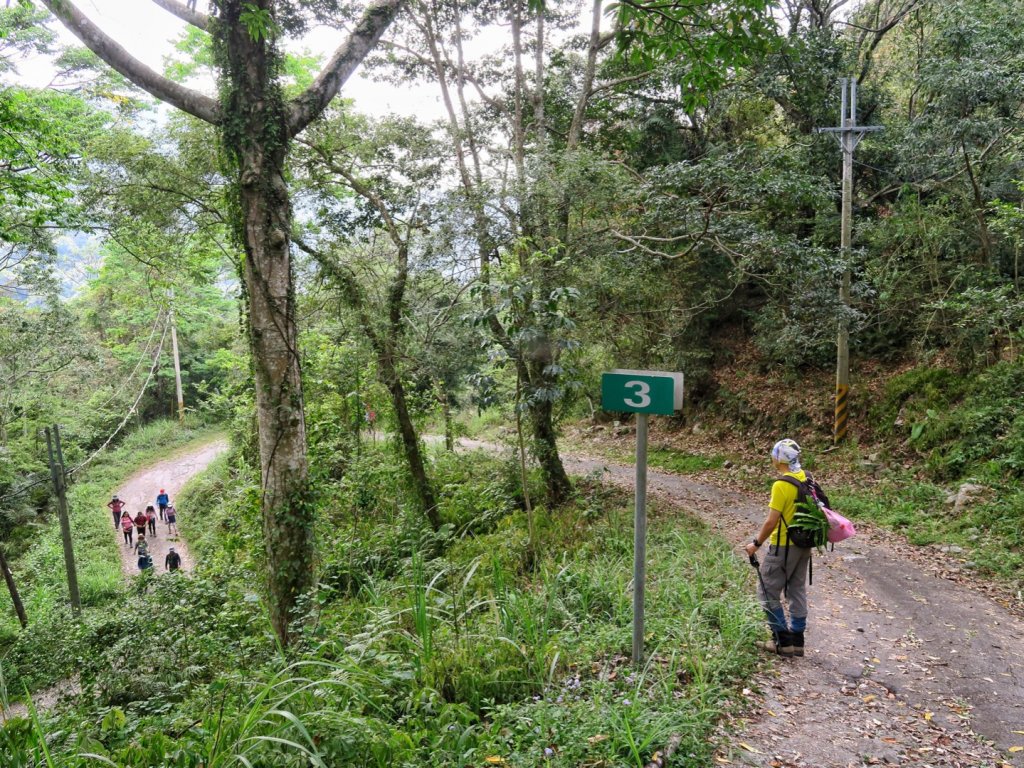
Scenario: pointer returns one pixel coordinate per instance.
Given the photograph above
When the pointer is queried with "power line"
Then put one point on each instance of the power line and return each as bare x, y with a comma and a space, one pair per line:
130, 376
156, 359
24, 489
145, 385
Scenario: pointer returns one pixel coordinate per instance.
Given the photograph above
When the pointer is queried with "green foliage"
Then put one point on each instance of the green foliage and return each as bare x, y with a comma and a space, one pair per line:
683, 463
406, 658
809, 517
705, 42
259, 22
960, 423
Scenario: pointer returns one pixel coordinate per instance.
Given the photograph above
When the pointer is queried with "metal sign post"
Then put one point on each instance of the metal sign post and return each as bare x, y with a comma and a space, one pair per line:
640, 538
642, 393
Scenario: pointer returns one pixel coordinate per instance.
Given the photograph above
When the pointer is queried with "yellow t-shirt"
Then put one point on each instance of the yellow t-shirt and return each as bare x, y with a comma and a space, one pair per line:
784, 502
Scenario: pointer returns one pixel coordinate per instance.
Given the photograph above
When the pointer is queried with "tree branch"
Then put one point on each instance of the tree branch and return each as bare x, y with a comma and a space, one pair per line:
363, 38
186, 13
108, 49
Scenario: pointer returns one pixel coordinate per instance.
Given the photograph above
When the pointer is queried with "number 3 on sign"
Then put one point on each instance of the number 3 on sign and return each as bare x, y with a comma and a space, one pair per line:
642, 394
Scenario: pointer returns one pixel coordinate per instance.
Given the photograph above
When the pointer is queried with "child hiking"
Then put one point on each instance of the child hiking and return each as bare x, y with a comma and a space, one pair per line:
127, 528
783, 574
142, 550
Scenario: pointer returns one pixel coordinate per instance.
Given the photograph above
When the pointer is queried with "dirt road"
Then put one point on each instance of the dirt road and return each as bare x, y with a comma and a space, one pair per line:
904, 665
141, 489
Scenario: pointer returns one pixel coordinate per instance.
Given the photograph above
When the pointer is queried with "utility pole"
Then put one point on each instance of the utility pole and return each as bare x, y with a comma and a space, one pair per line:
177, 363
849, 134
57, 474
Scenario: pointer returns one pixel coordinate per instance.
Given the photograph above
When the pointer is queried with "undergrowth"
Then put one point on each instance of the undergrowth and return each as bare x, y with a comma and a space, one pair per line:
419, 648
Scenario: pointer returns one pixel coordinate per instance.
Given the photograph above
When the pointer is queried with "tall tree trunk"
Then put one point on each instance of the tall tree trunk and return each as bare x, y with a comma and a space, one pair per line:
446, 414
984, 236
410, 442
259, 141
545, 446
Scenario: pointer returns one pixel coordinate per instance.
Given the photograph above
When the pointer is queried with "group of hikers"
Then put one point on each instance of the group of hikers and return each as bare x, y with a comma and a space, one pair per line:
143, 522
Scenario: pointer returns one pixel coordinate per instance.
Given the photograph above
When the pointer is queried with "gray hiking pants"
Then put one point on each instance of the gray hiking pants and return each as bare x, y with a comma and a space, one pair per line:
784, 578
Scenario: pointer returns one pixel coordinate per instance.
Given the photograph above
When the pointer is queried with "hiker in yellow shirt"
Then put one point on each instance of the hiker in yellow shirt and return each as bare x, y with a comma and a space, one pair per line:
783, 574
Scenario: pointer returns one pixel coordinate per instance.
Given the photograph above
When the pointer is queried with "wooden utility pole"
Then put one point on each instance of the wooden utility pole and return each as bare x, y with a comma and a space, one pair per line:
850, 135
19, 607
57, 473
177, 363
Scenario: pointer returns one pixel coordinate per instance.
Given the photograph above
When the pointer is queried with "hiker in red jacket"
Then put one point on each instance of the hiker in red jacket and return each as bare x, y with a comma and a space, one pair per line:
141, 522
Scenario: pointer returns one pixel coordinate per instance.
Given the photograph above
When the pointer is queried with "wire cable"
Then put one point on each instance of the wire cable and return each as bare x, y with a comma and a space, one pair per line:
24, 489
156, 359
130, 376
145, 386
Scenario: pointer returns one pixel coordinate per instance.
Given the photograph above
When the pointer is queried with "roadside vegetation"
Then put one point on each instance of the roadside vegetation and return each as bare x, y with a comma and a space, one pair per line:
50, 649
419, 647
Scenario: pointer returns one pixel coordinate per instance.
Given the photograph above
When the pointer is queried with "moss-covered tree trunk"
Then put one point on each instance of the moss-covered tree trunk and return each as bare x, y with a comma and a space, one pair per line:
256, 140
557, 485
256, 125
410, 440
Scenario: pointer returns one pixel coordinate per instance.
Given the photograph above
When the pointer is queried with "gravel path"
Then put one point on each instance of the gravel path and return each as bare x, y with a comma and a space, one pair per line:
141, 489
909, 663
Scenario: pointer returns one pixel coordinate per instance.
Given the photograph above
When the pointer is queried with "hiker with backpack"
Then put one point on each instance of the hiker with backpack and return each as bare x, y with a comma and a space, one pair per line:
142, 550
783, 574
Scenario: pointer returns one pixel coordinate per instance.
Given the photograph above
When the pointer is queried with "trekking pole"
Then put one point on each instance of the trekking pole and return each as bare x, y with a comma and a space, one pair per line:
757, 567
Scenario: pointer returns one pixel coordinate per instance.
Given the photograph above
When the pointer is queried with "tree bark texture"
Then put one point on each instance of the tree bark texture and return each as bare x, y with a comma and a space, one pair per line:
256, 126
410, 440
256, 136
545, 447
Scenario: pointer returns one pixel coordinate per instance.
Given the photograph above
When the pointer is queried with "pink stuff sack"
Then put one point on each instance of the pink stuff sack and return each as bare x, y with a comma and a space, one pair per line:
839, 528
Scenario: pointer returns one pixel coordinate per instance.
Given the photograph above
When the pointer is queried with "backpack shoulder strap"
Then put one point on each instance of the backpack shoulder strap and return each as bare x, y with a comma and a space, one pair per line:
801, 489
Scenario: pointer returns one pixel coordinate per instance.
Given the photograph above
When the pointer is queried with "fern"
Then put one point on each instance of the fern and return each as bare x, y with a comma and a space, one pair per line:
810, 517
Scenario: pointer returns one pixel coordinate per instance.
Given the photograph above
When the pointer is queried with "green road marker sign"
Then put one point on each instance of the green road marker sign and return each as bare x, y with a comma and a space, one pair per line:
641, 392
657, 392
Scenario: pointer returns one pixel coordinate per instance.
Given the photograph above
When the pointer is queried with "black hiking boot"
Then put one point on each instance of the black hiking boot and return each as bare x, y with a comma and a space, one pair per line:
781, 644
798, 643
